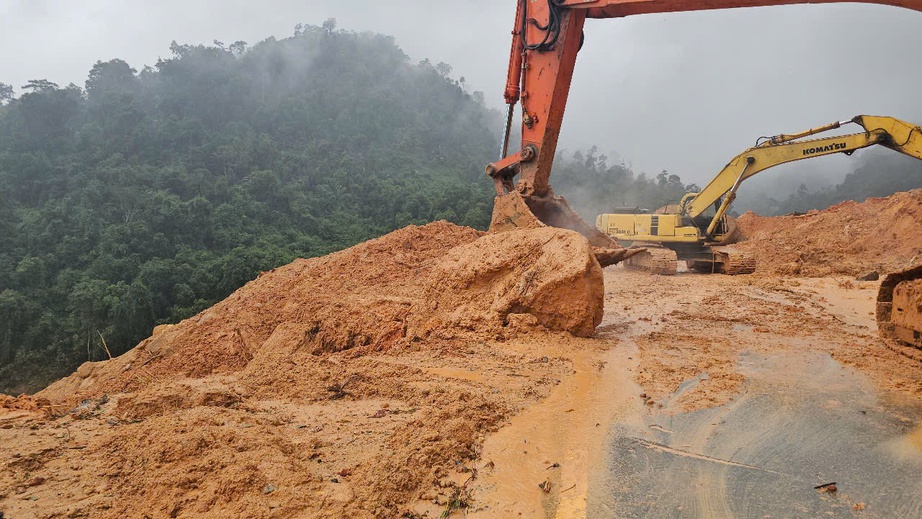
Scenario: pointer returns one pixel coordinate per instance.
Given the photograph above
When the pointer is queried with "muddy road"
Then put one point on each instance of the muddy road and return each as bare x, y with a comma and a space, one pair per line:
697, 396
717, 396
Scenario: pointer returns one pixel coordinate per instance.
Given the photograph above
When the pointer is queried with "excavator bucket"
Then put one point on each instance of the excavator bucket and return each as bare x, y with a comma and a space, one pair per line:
512, 211
899, 312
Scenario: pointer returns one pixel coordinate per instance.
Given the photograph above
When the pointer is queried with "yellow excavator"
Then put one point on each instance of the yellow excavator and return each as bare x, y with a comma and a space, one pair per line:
698, 229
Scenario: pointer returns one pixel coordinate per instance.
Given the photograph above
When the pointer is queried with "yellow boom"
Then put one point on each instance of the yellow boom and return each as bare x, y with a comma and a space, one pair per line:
886, 131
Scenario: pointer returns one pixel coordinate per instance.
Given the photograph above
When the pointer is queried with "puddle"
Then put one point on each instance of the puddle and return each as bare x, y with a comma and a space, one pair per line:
804, 420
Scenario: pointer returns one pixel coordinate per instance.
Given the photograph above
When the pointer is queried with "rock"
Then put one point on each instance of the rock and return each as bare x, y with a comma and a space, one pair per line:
548, 273
160, 328
869, 276
86, 369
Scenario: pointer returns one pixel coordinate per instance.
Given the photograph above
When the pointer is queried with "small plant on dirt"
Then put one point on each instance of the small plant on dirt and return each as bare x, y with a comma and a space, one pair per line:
460, 499
338, 390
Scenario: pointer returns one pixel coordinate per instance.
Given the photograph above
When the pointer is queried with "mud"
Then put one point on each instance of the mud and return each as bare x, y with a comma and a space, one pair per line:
419, 375
723, 396
802, 421
558, 441
364, 379
880, 234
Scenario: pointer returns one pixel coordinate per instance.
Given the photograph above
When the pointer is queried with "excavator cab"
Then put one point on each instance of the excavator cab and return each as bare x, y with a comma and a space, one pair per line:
703, 220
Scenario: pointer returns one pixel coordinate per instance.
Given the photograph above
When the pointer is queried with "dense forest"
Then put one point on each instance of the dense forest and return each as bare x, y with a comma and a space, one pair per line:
146, 196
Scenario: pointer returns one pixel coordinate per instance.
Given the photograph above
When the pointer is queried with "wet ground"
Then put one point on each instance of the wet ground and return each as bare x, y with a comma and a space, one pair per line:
698, 396
802, 421
719, 397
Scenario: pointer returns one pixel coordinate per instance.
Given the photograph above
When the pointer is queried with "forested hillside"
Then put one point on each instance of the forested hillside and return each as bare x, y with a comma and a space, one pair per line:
146, 196
876, 175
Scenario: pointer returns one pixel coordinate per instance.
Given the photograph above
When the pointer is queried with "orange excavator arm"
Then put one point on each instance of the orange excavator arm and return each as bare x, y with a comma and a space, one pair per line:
545, 40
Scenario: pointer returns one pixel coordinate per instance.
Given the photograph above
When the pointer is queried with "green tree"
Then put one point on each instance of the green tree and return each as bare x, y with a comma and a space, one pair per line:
6, 93
151, 195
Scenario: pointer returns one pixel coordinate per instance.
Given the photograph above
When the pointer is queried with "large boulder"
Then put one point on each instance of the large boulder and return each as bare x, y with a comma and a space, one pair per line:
547, 273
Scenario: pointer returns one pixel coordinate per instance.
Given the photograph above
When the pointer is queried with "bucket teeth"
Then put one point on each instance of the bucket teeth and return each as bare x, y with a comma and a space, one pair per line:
513, 211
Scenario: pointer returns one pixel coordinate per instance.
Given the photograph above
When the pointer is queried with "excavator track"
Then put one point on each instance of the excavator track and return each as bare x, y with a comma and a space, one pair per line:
899, 312
733, 262
725, 260
655, 260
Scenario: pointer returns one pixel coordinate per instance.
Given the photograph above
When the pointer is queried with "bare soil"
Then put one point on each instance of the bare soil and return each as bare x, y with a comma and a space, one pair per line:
342, 386
437, 369
851, 238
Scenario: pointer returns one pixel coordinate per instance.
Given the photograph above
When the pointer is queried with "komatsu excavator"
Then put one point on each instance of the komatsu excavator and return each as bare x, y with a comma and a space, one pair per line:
698, 229
546, 38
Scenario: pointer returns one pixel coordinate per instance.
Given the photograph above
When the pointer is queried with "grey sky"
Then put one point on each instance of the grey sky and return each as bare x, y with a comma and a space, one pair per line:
682, 92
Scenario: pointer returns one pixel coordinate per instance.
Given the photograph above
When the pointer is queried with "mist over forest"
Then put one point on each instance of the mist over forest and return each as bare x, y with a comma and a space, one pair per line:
869, 173
146, 195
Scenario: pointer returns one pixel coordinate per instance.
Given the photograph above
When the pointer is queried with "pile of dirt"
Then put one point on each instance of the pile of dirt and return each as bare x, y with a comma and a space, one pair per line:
849, 238
344, 378
546, 277
24, 403
439, 281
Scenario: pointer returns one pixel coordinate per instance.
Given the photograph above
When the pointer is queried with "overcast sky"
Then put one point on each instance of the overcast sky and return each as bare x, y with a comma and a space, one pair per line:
682, 92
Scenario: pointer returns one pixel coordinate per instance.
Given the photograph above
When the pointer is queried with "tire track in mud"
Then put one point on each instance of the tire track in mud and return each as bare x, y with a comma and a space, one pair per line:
801, 418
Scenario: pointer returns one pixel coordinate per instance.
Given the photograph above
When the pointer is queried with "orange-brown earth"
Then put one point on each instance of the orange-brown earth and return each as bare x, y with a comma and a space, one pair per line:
372, 382
849, 238
342, 386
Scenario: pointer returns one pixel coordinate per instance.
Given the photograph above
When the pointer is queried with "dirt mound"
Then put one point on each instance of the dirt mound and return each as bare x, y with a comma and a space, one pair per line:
358, 297
545, 275
331, 377
441, 280
849, 238
23, 403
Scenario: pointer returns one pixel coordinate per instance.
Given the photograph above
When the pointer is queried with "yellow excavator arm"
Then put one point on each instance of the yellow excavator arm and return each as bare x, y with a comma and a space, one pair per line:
885, 131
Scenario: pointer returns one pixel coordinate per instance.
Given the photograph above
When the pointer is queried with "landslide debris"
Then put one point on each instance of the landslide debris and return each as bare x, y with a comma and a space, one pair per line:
849, 238
541, 276
348, 385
